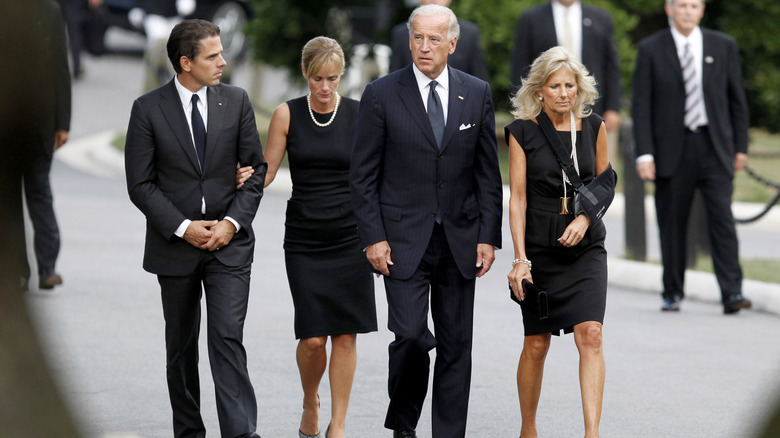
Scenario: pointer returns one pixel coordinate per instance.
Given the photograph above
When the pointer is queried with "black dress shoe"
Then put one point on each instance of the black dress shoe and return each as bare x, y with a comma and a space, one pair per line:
735, 303
249, 435
404, 434
671, 304
49, 281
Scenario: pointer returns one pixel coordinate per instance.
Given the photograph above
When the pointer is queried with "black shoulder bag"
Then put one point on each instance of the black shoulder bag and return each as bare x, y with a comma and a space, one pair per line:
593, 199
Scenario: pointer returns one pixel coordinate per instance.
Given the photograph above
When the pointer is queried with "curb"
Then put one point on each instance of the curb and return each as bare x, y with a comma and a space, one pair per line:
94, 154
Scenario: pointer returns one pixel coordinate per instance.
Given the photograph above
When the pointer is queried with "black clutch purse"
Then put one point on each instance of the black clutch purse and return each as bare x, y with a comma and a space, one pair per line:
535, 299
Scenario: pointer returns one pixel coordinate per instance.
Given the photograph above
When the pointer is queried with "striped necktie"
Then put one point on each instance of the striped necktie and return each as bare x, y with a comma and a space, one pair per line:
692, 90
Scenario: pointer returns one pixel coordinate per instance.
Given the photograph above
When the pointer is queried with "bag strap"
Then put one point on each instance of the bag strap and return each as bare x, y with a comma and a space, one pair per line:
560, 150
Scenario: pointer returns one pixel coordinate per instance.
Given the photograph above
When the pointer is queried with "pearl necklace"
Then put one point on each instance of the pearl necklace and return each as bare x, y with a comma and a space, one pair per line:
332, 118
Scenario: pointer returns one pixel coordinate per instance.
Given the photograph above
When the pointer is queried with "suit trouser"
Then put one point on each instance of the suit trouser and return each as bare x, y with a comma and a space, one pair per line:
699, 168
40, 206
74, 13
227, 295
452, 311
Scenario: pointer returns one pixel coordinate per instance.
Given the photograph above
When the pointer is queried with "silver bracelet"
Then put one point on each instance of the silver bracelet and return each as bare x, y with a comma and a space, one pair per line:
526, 261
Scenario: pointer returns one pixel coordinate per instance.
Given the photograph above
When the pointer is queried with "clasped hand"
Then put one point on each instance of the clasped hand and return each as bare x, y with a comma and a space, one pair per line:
210, 235
575, 231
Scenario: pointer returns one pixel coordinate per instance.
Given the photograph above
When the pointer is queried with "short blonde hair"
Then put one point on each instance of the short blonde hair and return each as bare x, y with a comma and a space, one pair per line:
526, 104
321, 52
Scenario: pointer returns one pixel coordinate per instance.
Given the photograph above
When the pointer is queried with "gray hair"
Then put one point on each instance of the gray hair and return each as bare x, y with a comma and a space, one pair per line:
526, 104
453, 31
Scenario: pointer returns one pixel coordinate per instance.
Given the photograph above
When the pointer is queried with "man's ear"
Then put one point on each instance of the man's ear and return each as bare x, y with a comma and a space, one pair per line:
185, 63
453, 45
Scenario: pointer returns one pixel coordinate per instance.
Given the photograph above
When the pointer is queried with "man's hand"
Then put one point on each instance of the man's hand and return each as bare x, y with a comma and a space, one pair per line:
198, 233
378, 255
222, 234
575, 231
646, 170
740, 161
612, 120
486, 255
60, 138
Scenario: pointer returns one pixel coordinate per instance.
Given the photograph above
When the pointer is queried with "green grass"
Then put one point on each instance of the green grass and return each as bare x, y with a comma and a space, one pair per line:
754, 269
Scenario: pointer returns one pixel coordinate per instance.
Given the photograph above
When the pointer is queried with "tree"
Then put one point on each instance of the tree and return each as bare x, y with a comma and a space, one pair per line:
281, 28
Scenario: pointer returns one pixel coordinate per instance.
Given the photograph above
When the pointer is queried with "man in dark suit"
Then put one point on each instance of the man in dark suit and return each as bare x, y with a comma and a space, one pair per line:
690, 124
430, 192
184, 140
468, 58
587, 32
77, 14
53, 133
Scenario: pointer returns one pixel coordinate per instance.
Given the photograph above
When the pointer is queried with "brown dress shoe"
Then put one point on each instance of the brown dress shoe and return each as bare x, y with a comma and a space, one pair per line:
49, 281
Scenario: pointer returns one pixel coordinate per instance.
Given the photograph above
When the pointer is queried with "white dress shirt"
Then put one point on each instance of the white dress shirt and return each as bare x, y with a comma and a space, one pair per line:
697, 50
186, 102
572, 15
442, 89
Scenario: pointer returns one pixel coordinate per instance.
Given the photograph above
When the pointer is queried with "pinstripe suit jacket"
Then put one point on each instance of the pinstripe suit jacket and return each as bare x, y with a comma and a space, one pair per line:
400, 180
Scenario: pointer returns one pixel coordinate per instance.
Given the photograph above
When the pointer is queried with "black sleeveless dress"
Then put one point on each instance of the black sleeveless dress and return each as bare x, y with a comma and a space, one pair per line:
575, 278
329, 276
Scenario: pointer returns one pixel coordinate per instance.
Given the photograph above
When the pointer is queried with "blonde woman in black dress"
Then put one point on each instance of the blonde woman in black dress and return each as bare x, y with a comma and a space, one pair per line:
565, 250
329, 276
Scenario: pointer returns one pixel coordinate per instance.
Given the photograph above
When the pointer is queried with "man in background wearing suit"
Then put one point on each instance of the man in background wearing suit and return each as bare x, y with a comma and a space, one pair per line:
430, 192
53, 133
469, 57
587, 33
184, 140
690, 125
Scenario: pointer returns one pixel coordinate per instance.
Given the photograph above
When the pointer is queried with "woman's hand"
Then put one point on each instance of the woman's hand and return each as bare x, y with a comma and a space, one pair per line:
516, 276
243, 174
574, 233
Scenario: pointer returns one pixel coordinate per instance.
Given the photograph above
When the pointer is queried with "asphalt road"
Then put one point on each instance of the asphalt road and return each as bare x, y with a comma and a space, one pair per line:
693, 374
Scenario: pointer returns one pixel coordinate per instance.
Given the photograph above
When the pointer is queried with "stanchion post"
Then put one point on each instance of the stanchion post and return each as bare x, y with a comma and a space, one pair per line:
634, 195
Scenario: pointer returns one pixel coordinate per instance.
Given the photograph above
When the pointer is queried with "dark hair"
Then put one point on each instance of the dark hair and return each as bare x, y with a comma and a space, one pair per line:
185, 40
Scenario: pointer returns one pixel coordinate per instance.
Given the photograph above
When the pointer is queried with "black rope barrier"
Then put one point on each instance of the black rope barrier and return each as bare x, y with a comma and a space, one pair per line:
771, 203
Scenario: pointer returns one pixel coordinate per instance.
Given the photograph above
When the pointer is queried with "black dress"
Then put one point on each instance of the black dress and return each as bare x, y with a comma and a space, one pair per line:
575, 278
330, 278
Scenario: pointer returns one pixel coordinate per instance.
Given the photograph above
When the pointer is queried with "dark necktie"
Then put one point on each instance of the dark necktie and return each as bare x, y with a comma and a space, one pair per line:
692, 91
435, 113
198, 131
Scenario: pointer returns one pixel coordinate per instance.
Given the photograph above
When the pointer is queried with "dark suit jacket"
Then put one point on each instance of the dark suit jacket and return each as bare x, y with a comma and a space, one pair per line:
468, 56
399, 177
535, 33
166, 183
658, 104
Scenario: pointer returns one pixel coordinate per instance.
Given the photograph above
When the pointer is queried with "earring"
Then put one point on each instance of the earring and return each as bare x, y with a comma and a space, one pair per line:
541, 98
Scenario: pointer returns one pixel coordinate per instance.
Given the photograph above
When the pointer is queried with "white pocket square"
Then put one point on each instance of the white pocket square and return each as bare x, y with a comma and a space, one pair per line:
464, 126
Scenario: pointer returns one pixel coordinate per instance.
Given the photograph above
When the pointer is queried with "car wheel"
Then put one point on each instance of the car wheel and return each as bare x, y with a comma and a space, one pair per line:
231, 18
